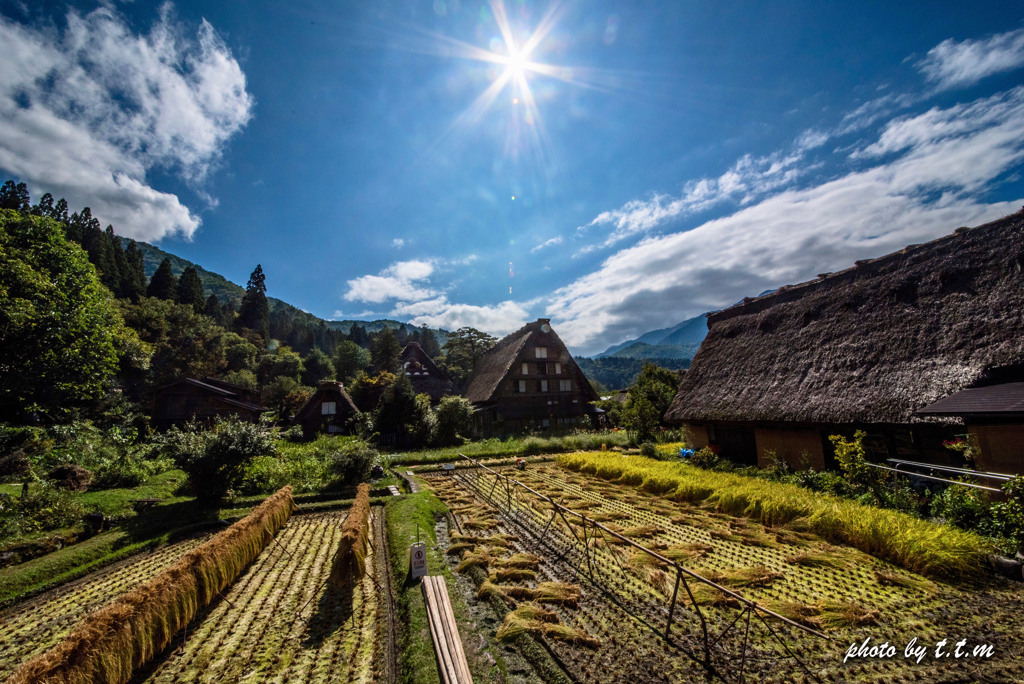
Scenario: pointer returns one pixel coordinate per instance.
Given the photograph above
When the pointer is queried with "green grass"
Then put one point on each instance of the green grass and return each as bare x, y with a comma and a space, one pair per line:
517, 446
917, 545
409, 518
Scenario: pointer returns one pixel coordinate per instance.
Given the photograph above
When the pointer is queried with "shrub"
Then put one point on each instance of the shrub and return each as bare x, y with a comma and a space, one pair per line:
960, 506
704, 458
650, 451
215, 460
351, 463
46, 508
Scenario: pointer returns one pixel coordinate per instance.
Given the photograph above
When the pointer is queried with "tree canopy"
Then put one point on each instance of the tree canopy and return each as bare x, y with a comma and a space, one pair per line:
58, 324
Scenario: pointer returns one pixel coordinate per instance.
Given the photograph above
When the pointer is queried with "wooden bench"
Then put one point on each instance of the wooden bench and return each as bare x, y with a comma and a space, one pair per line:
451, 659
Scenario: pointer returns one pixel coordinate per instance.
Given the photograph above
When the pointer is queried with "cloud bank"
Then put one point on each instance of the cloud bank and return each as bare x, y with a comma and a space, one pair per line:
955, 65
86, 112
929, 176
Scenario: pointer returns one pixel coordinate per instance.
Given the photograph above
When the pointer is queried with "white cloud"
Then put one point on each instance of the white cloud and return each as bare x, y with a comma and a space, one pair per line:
86, 113
951, 64
747, 180
557, 240
396, 282
498, 320
398, 243
940, 161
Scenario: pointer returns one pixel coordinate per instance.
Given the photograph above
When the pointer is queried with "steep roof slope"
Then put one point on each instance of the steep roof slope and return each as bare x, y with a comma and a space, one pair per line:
872, 343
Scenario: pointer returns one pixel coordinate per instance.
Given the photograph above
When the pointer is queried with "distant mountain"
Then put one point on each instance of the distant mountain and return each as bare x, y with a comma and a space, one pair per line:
680, 342
229, 292
619, 372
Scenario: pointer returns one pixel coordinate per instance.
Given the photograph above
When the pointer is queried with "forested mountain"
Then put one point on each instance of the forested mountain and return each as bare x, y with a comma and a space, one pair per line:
680, 342
621, 372
289, 324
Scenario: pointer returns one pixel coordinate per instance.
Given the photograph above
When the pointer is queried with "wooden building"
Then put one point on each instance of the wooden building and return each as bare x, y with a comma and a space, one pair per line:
425, 376
202, 400
873, 347
327, 411
528, 380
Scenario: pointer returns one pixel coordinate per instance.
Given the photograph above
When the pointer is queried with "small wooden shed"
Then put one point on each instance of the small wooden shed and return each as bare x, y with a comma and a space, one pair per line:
202, 400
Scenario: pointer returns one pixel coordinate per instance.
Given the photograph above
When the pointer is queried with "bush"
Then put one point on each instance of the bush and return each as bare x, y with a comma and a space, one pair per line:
704, 458
351, 464
215, 460
46, 508
650, 451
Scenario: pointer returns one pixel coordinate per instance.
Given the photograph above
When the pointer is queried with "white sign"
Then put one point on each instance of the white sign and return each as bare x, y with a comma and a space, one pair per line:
418, 560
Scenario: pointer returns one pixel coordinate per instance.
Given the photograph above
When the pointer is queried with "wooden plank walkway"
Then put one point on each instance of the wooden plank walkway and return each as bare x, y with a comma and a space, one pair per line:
451, 658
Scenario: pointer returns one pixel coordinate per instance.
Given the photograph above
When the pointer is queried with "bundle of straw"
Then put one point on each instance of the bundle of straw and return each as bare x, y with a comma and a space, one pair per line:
108, 645
350, 559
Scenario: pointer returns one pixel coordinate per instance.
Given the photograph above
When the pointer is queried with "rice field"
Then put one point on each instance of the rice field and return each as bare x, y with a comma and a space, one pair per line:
608, 631
279, 622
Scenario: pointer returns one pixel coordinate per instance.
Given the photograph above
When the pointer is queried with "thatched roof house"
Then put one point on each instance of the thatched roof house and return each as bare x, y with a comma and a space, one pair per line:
327, 410
202, 400
867, 347
528, 380
425, 376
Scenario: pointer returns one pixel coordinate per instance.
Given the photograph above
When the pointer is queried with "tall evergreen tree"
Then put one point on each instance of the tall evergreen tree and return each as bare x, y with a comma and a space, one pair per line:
429, 342
213, 309
60, 211
357, 334
15, 196
163, 284
254, 312
386, 352
120, 260
45, 206
190, 290
101, 254
133, 282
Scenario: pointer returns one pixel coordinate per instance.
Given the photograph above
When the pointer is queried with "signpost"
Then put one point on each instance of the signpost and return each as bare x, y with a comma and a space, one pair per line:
417, 560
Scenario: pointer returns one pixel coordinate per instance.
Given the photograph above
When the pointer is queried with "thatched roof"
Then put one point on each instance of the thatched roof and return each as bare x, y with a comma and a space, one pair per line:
327, 391
497, 362
871, 344
424, 374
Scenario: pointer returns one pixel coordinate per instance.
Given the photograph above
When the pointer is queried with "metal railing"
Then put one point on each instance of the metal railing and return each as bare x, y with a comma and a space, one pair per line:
579, 548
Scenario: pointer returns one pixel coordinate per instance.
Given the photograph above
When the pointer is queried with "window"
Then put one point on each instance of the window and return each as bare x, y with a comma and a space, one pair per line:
526, 368
542, 352
558, 369
522, 386
565, 385
542, 368
543, 385
328, 408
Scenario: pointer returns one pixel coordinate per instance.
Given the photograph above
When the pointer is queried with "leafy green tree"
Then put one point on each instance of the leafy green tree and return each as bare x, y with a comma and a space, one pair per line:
463, 351
58, 325
163, 284
184, 343
239, 353
283, 363
640, 418
657, 385
349, 360
255, 311
386, 352
367, 390
454, 417
215, 460
316, 368
190, 290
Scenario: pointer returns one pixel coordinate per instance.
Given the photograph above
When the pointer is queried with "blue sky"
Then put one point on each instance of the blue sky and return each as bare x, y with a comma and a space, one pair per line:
617, 167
